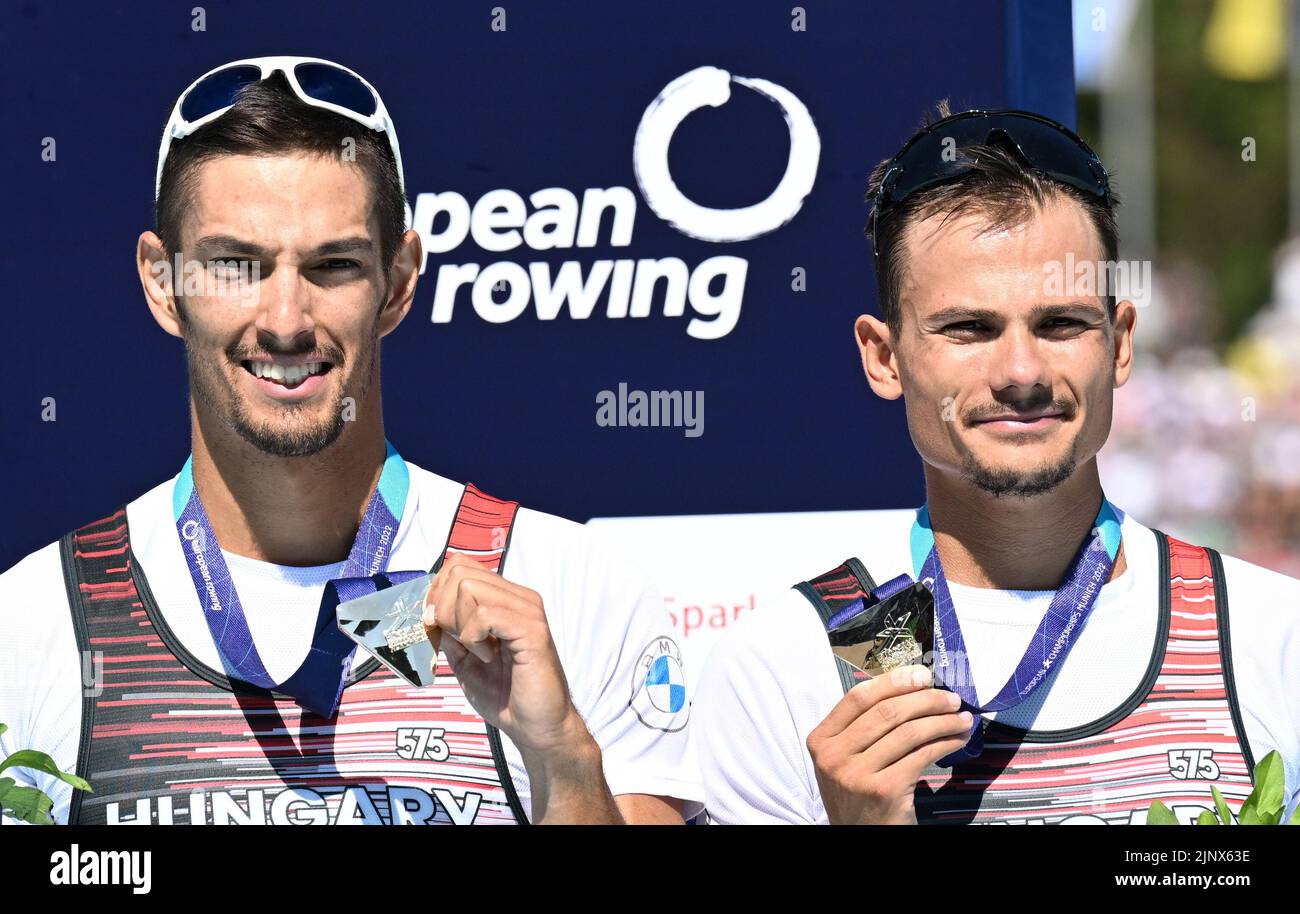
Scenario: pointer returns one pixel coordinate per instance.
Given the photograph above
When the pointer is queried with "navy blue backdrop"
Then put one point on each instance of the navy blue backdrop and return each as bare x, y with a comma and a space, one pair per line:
553, 101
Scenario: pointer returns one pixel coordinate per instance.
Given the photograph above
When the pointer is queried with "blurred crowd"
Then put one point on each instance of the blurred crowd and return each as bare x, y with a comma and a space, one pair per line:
1206, 445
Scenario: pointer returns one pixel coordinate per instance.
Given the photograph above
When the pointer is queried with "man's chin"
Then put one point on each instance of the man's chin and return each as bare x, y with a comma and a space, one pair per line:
288, 428
276, 442
289, 435
1017, 481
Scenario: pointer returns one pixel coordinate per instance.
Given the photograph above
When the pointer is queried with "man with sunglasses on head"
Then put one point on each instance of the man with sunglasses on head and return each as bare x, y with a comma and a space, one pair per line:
183, 654
1083, 665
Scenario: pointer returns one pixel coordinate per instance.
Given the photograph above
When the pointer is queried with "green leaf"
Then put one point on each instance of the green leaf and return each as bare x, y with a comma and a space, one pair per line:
1270, 787
1225, 814
30, 758
29, 804
1249, 814
3, 728
1207, 818
39, 761
1159, 814
5, 784
1295, 816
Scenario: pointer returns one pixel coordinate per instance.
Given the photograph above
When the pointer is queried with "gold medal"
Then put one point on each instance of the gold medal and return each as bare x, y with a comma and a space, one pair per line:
889, 634
895, 648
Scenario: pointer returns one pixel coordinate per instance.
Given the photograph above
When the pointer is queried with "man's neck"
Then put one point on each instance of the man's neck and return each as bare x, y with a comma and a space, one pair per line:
1010, 543
300, 511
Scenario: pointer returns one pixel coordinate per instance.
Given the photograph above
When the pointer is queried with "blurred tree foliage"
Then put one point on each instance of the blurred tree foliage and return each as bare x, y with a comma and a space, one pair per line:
1213, 207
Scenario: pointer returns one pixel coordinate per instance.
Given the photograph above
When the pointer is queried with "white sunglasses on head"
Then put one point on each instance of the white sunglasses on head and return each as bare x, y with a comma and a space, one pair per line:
319, 83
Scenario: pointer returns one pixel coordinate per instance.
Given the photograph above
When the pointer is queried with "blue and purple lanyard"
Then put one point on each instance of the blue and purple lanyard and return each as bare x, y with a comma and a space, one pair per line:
319, 681
1066, 615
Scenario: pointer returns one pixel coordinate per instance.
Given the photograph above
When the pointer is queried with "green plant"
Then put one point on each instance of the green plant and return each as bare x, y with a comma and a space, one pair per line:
29, 803
1264, 806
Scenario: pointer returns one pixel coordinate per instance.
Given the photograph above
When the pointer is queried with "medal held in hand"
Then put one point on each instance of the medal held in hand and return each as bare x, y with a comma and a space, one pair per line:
387, 623
895, 630
908, 629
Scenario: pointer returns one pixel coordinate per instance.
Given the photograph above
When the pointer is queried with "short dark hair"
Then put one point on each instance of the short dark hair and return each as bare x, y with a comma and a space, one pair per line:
999, 186
269, 119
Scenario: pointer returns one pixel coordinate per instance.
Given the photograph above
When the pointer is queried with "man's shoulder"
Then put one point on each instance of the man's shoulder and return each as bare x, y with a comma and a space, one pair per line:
40, 687
781, 640
1262, 607
772, 675
39, 577
545, 551
1261, 593
1240, 575
444, 494
36, 627
1253, 588
1256, 576
35, 579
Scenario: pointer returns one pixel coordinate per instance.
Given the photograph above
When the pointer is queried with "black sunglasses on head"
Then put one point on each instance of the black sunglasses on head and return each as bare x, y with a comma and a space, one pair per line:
933, 156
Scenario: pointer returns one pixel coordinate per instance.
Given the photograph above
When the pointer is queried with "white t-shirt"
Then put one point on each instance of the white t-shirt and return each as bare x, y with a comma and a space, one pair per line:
771, 678
601, 609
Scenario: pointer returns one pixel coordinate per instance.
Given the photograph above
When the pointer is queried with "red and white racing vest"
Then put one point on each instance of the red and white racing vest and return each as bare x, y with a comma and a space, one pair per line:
169, 740
1179, 734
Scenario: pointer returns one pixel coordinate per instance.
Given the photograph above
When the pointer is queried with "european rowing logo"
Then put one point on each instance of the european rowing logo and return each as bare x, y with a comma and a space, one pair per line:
541, 226
659, 687
711, 87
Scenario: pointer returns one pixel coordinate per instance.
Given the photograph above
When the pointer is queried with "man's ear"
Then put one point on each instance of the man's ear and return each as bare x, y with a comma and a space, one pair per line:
402, 277
1125, 322
879, 360
156, 277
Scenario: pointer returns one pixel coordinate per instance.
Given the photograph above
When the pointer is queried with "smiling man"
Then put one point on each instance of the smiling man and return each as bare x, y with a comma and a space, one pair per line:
1084, 665
182, 654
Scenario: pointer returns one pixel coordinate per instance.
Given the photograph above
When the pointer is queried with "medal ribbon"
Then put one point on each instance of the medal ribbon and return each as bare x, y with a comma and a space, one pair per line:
1066, 615
319, 681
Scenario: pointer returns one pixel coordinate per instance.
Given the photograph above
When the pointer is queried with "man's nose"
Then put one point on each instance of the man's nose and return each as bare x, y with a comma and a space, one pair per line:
284, 306
1019, 365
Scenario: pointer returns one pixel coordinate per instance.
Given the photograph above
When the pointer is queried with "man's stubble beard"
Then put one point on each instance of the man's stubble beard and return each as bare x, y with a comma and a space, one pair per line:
1016, 482
210, 387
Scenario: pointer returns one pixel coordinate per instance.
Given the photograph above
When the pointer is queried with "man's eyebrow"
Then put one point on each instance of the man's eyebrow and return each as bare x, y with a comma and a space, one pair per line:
1038, 312
344, 246
1069, 307
231, 244
959, 313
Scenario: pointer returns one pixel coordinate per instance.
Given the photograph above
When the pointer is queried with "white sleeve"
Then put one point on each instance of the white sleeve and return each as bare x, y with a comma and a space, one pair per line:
768, 681
1264, 631
611, 631
40, 695
629, 681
